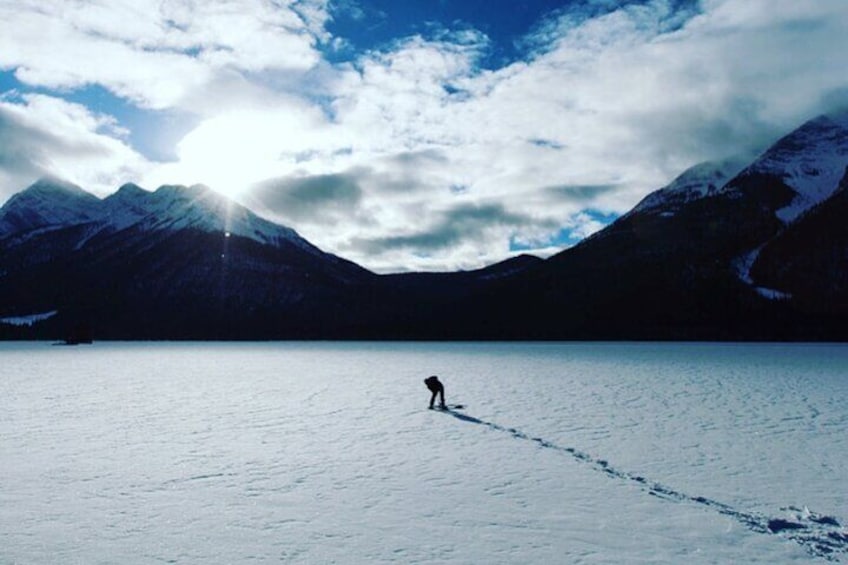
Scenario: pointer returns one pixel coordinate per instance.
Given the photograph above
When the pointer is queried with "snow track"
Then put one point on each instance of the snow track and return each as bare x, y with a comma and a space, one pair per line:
822, 536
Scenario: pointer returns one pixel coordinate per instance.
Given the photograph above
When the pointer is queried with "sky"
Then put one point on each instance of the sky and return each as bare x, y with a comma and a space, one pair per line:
414, 134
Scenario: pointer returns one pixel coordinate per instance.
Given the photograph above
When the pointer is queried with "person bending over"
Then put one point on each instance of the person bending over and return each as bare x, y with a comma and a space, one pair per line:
435, 387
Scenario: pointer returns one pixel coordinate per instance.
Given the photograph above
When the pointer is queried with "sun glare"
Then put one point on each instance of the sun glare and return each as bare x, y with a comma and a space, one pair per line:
230, 153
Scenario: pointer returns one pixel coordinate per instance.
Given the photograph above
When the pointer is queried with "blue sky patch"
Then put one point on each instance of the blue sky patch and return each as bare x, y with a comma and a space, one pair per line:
566, 237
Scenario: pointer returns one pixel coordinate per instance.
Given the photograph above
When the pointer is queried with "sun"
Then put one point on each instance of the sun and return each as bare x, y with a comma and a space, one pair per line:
231, 152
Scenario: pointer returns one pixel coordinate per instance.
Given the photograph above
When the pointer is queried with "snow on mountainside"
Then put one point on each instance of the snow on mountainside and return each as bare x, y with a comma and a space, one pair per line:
702, 180
48, 202
52, 204
125, 207
175, 207
811, 161
796, 174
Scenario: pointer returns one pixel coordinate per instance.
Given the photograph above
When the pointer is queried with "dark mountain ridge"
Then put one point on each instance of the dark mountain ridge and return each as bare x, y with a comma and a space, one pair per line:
724, 252
759, 257
186, 263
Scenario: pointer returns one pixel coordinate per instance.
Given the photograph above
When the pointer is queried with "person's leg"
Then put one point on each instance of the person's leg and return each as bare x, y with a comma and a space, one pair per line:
433, 398
442, 396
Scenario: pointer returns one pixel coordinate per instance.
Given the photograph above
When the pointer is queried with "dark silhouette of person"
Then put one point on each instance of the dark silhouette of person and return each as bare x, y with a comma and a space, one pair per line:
435, 387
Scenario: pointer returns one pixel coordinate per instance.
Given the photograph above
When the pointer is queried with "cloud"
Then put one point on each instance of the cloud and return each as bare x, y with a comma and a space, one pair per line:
609, 107
464, 236
370, 215
23, 149
317, 198
453, 226
42, 135
613, 107
414, 155
580, 193
156, 55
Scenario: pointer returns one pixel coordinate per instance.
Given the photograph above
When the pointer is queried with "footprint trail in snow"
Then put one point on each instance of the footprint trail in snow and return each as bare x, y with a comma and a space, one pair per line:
820, 535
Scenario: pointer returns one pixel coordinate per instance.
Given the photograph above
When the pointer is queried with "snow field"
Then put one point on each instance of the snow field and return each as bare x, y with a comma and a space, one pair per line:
307, 453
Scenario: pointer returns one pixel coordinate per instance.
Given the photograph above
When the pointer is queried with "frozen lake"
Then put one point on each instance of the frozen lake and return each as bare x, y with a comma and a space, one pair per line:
326, 453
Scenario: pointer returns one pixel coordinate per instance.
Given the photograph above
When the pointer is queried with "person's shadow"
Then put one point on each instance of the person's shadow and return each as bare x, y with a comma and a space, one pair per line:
467, 418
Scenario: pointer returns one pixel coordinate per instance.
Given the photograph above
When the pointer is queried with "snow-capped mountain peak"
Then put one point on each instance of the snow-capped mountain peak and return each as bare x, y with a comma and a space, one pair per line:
125, 207
52, 203
199, 207
53, 186
47, 202
130, 190
699, 181
811, 161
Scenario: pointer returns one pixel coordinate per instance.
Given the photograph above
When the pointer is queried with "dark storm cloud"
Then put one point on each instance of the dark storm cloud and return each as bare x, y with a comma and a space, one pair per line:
310, 198
549, 143
580, 193
465, 222
403, 172
421, 158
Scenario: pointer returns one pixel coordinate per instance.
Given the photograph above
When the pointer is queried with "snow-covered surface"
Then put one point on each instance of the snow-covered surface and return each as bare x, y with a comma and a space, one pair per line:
29, 319
811, 160
700, 181
326, 453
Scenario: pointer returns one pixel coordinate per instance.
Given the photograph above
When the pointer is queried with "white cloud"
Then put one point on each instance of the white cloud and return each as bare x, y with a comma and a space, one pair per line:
629, 100
603, 109
155, 54
42, 135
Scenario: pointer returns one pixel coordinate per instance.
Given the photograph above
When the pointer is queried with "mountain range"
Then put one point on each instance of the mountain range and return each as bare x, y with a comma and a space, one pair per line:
727, 251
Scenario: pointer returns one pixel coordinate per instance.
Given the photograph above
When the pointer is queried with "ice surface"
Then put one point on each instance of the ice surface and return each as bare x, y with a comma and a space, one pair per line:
326, 453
